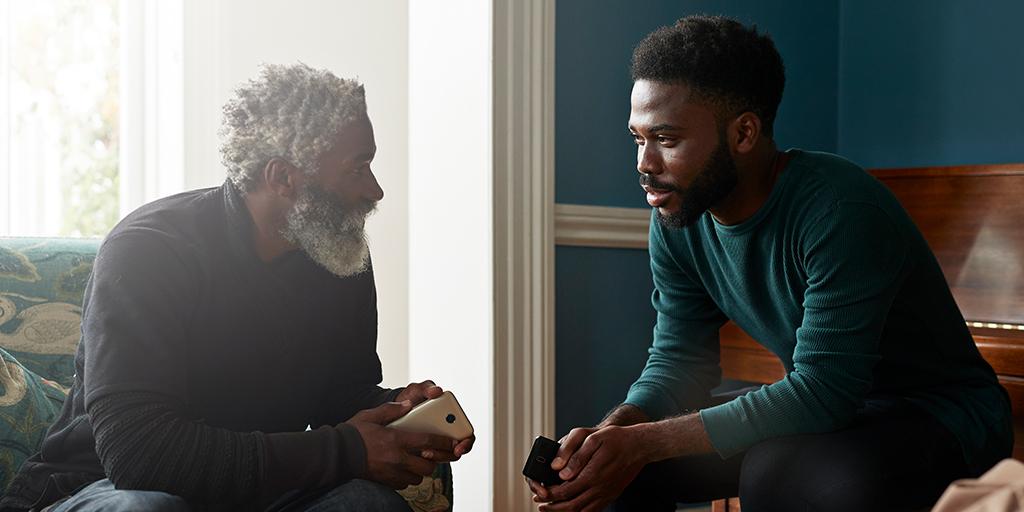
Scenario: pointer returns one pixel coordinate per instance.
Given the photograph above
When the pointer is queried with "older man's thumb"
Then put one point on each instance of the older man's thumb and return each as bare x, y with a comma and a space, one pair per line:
388, 412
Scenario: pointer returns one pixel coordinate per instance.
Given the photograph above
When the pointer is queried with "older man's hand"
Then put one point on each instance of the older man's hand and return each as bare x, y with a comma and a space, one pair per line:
418, 392
393, 457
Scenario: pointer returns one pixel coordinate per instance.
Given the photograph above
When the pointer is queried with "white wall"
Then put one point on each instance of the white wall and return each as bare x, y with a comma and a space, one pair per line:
427, 70
226, 40
450, 178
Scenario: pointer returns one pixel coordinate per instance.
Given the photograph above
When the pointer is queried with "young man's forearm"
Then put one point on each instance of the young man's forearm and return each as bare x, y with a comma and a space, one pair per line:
676, 437
624, 415
673, 437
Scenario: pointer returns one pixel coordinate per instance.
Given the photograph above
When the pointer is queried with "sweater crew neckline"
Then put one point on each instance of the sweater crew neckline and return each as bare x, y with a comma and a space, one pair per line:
766, 208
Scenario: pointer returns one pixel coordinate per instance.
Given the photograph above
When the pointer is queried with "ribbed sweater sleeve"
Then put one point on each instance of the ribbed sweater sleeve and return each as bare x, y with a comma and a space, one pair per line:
144, 442
683, 361
854, 261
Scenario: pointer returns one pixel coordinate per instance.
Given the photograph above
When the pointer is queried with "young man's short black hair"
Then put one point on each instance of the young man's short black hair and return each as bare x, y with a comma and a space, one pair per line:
720, 59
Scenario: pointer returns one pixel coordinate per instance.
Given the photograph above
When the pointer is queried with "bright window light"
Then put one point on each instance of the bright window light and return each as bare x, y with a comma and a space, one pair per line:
91, 106
59, 113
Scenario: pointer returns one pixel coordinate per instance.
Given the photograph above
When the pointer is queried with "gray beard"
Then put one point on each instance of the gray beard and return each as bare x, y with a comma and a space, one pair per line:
330, 232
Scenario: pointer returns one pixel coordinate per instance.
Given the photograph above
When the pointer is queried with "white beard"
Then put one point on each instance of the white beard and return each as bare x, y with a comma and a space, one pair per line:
330, 232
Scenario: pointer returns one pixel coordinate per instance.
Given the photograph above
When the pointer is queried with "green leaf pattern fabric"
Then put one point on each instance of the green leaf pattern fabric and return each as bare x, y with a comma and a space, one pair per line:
28, 404
42, 282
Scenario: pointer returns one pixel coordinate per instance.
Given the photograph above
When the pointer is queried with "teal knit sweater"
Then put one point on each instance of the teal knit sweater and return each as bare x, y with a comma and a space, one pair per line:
833, 277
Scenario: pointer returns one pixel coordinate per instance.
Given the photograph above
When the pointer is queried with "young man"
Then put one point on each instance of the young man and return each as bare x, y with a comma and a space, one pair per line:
886, 398
219, 323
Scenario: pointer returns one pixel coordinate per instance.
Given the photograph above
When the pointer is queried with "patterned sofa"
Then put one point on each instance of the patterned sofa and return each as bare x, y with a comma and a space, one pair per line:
42, 281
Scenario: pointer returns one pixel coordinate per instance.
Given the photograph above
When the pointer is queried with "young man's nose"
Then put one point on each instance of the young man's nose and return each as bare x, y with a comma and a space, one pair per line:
647, 160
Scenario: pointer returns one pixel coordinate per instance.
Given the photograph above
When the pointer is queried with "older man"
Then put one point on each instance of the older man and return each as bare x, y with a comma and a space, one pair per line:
219, 323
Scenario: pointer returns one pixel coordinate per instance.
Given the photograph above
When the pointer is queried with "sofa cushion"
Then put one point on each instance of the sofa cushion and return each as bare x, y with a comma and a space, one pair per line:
42, 282
28, 404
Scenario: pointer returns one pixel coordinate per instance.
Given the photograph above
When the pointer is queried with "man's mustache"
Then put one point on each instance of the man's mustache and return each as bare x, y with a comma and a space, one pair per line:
365, 207
646, 180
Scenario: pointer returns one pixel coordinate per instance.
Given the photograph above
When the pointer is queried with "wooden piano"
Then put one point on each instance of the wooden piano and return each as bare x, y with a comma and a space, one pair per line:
973, 219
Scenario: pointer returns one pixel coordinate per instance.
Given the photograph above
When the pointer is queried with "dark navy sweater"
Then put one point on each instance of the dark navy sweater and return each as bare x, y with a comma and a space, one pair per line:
201, 366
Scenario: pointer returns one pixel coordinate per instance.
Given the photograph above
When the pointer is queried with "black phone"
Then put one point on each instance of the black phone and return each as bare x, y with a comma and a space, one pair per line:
538, 464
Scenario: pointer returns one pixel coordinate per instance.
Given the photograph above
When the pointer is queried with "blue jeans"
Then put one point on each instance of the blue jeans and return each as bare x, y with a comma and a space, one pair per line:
354, 495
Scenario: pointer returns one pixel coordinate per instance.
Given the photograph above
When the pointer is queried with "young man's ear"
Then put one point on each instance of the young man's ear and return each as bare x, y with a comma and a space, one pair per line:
744, 132
281, 178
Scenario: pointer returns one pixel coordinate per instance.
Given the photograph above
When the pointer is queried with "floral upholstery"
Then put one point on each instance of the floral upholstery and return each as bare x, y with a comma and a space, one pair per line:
42, 282
28, 404
433, 494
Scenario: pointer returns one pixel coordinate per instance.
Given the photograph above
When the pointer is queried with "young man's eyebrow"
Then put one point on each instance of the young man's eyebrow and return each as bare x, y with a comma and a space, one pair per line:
655, 129
662, 128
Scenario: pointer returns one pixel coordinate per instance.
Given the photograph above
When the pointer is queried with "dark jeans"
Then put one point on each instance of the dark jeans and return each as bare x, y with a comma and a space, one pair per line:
893, 456
352, 496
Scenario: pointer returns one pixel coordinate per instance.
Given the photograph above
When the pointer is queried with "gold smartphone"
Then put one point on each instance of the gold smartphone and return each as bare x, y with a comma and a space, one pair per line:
441, 416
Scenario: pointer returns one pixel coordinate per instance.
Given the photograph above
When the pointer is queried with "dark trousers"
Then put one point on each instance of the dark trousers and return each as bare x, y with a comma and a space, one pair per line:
893, 456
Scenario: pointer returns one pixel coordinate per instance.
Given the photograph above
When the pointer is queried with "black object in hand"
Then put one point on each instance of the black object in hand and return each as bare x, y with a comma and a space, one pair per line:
538, 465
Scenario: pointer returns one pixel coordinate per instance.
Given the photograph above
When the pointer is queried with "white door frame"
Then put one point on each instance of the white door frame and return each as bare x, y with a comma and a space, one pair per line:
481, 230
524, 242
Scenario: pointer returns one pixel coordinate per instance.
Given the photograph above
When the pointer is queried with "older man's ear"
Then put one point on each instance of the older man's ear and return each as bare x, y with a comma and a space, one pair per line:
281, 178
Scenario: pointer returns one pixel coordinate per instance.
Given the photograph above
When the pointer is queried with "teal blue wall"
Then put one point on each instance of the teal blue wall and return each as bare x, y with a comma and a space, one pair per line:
603, 328
931, 82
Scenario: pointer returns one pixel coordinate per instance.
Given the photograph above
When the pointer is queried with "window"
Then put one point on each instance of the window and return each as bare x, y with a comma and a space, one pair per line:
60, 117
89, 96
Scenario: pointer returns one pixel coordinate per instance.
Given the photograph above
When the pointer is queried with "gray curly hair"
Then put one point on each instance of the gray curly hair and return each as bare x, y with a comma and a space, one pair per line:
290, 112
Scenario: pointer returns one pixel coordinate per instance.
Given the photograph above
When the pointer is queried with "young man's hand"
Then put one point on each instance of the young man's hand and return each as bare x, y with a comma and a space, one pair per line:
396, 458
623, 415
567, 447
597, 464
602, 461
418, 392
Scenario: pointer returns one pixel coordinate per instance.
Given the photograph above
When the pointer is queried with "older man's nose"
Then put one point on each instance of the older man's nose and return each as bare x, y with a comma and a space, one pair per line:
372, 190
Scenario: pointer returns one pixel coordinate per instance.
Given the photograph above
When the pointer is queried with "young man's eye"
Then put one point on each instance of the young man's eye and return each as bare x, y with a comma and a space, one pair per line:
665, 140
638, 139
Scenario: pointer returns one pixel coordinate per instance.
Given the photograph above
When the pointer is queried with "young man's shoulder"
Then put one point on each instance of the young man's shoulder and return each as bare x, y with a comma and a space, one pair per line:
826, 181
842, 178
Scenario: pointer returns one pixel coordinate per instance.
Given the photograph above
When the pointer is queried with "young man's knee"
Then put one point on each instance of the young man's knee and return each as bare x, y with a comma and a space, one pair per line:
779, 475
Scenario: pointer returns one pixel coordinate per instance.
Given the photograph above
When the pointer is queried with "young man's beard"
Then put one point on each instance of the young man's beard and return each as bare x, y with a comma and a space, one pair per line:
329, 231
713, 182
